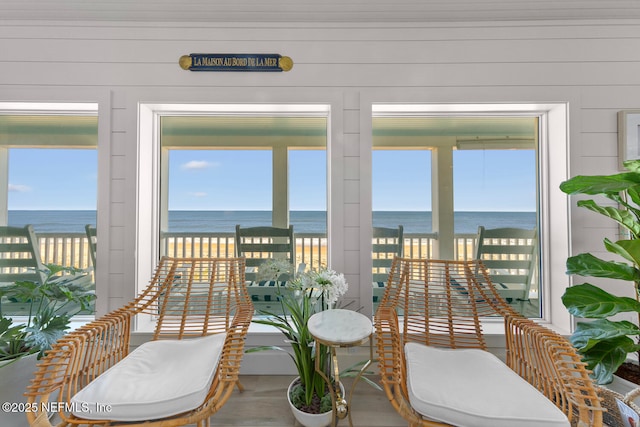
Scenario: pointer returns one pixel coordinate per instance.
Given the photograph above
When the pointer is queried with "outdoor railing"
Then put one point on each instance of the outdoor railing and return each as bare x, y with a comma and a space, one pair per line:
198, 245
311, 248
72, 249
68, 249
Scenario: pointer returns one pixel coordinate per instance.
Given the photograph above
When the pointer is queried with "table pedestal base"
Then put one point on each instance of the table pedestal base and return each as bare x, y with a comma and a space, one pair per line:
335, 329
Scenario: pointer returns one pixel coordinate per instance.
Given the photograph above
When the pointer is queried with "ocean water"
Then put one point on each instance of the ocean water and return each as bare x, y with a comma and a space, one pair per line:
302, 221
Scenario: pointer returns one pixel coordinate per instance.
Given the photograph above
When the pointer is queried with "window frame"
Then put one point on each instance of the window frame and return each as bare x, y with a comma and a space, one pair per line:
149, 175
59, 104
554, 214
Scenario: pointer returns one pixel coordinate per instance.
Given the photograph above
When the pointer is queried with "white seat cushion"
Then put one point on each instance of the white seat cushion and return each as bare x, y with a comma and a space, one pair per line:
156, 380
472, 387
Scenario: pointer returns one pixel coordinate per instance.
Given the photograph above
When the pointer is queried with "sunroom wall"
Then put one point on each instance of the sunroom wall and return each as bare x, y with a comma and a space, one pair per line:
594, 66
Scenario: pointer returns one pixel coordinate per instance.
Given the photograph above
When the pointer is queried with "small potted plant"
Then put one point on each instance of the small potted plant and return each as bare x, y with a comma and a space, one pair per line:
310, 292
605, 342
49, 307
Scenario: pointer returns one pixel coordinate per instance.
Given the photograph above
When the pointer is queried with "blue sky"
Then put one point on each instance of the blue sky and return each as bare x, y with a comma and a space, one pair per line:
43, 179
488, 180
484, 180
241, 180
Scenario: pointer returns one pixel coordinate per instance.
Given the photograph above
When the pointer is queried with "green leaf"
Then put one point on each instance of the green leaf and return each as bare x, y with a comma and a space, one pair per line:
634, 195
589, 265
621, 216
589, 301
12, 338
605, 357
628, 249
5, 324
589, 334
22, 291
632, 165
601, 184
46, 329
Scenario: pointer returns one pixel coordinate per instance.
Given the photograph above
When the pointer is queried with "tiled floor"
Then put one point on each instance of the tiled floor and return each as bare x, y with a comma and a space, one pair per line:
263, 404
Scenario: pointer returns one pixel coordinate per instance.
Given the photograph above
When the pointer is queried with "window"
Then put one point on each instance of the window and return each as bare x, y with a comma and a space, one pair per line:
246, 170
308, 201
227, 168
49, 155
482, 170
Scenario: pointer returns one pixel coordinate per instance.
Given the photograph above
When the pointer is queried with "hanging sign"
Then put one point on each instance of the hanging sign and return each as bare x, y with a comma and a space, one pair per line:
235, 62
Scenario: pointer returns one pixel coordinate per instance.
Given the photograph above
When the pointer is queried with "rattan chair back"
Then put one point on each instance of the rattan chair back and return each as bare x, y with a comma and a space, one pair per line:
442, 302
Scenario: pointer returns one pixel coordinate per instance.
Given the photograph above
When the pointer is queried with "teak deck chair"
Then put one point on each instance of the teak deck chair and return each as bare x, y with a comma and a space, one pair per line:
199, 313
435, 368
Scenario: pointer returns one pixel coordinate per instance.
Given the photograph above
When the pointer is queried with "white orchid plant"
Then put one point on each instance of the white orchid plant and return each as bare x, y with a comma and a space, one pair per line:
274, 269
324, 283
308, 293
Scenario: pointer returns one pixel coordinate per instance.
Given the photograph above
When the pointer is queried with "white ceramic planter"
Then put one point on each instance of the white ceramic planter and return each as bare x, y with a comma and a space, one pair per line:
14, 379
306, 419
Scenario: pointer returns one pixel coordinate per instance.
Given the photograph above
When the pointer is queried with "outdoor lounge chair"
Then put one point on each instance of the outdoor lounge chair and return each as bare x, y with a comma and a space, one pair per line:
510, 256
198, 312
20, 261
387, 244
258, 245
92, 239
434, 363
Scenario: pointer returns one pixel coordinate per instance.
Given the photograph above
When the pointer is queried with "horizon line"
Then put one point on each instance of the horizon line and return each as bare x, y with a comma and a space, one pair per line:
263, 210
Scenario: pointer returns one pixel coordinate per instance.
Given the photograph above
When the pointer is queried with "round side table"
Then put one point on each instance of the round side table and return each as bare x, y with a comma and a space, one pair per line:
335, 329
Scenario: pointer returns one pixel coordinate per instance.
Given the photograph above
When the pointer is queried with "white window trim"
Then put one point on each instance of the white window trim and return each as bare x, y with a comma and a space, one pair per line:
148, 176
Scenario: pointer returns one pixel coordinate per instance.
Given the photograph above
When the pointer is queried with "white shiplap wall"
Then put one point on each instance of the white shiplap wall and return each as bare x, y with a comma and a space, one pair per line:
318, 11
593, 65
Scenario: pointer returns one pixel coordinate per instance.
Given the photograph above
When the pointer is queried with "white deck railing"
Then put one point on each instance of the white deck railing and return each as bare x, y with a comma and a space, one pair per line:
311, 248
68, 249
72, 249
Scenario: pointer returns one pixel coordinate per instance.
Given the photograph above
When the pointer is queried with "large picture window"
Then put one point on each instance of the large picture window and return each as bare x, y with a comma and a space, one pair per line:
48, 159
443, 179
224, 171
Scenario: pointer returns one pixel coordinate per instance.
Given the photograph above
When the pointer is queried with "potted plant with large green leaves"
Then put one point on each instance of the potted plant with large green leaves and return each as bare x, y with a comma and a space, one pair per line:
604, 342
45, 314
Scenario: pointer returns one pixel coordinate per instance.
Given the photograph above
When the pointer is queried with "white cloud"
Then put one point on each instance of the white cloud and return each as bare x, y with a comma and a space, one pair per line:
197, 164
198, 194
19, 188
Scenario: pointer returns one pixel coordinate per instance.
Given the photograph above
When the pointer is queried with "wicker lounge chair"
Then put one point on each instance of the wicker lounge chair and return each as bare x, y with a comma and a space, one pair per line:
434, 366
198, 312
